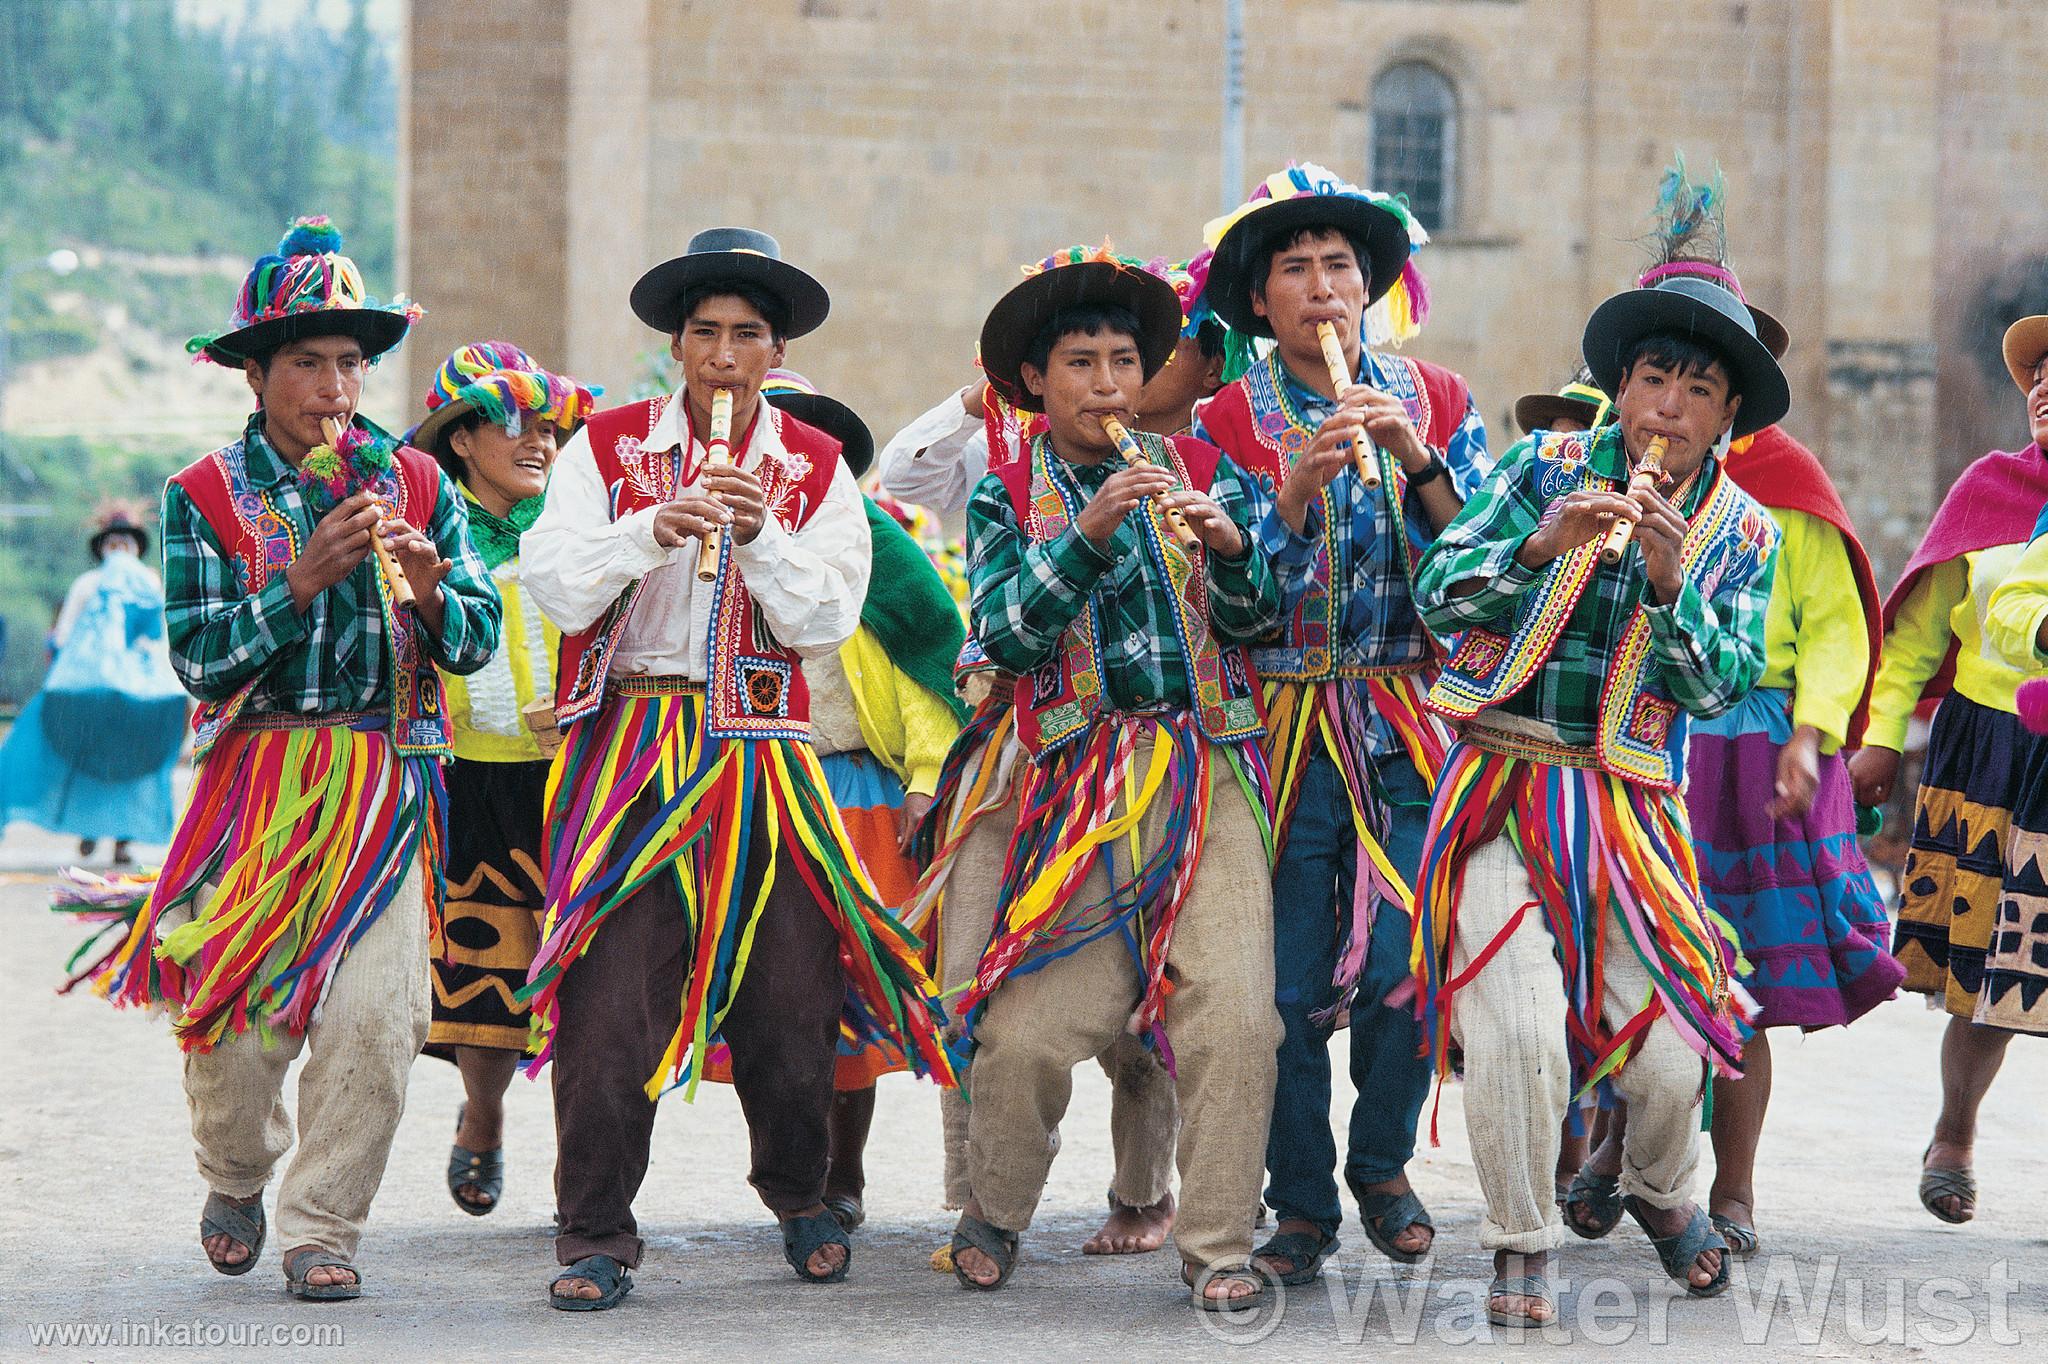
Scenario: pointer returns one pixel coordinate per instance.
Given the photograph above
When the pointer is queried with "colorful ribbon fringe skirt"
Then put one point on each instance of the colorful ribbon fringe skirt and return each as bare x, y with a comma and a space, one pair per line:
1304, 719
306, 832
1612, 865
711, 798
1088, 800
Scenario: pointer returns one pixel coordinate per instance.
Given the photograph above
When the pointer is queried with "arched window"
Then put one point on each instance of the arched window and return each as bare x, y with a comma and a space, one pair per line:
1415, 140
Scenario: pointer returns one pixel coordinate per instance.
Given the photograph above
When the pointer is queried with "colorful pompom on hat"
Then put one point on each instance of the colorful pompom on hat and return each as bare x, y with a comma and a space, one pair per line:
305, 288
1308, 195
503, 382
796, 395
1079, 274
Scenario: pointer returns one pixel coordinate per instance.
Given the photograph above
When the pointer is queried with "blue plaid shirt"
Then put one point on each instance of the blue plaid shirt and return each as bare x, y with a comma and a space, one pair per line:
1377, 623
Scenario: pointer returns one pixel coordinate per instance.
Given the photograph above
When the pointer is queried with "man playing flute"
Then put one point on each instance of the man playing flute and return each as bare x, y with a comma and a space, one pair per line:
938, 459
1351, 751
1561, 935
700, 883
1136, 895
294, 906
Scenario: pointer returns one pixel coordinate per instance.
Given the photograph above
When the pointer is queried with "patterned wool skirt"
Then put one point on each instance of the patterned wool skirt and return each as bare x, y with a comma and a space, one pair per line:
1798, 892
2015, 990
1982, 799
492, 923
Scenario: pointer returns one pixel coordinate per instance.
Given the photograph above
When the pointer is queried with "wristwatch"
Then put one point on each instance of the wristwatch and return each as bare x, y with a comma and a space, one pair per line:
1435, 469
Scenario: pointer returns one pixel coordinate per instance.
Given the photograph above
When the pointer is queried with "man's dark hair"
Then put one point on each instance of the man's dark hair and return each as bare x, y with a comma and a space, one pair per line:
1088, 319
772, 309
1680, 355
1287, 238
268, 354
1210, 336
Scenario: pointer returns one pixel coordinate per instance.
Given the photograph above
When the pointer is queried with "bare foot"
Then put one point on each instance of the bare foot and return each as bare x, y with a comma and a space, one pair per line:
1706, 1266
825, 1260
1605, 1160
1414, 1239
1132, 1231
224, 1249
1508, 1264
1951, 1155
323, 1276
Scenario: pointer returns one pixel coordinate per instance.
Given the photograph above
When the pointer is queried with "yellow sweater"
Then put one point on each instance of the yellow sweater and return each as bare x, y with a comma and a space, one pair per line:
897, 720
485, 706
1947, 603
1815, 640
2012, 621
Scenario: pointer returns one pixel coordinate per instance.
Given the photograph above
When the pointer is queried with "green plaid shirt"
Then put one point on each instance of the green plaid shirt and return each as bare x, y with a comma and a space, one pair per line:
1026, 593
333, 657
1709, 652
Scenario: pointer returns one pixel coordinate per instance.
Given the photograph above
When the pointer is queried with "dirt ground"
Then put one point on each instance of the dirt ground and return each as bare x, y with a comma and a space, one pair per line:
100, 1208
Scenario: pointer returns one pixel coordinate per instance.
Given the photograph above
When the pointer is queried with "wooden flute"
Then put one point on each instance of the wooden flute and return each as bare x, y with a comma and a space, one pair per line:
1134, 455
387, 562
1362, 451
717, 449
1648, 474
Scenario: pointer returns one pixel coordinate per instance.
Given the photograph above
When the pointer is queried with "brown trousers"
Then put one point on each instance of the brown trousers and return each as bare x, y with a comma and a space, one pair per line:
621, 1004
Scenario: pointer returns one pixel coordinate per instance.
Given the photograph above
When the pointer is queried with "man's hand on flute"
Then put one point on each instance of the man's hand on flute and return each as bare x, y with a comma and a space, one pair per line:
1573, 520
341, 540
1208, 520
423, 565
688, 519
1660, 530
1119, 493
741, 495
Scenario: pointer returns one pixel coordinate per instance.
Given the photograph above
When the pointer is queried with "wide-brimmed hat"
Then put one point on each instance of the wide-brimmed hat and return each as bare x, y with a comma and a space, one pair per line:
1309, 195
739, 255
2026, 341
799, 397
116, 518
1769, 329
305, 288
503, 382
1077, 275
1578, 400
1700, 310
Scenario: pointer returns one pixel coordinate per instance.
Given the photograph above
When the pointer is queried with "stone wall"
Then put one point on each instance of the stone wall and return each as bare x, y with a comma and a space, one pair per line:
1881, 158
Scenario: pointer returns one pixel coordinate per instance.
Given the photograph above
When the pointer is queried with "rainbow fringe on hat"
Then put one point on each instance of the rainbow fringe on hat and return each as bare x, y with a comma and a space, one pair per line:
502, 381
1398, 314
307, 273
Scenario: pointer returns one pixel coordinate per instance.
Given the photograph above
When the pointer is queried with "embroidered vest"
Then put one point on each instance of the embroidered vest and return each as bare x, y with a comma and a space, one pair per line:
1057, 700
261, 539
1257, 422
755, 687
1642, 729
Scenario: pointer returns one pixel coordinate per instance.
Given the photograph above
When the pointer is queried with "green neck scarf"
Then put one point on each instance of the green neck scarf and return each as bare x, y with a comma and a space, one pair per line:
497, 537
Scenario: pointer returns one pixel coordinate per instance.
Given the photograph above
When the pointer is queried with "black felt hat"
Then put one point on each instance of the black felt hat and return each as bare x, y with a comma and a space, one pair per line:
1022, 313
795, 395
737, 254
1699, 310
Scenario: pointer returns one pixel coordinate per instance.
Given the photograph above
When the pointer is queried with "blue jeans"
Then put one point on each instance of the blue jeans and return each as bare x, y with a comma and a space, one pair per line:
1312, 887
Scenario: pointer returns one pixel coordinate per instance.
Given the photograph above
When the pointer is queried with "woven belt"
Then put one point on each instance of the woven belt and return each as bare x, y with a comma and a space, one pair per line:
654, 684
1511, 745
323, 719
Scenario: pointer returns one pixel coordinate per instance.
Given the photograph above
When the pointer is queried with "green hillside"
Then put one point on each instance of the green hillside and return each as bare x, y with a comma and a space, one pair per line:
169, 156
